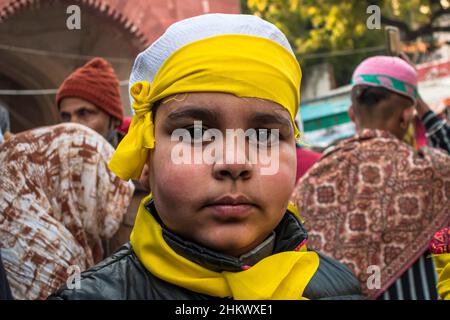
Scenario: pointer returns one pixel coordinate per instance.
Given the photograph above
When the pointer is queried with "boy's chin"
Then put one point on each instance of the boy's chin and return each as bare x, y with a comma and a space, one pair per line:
233, 243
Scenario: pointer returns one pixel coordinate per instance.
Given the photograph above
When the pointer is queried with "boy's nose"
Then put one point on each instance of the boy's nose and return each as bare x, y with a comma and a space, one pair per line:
232, 171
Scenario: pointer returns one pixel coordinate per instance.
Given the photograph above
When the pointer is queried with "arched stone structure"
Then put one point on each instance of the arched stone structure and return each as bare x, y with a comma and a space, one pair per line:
109, 28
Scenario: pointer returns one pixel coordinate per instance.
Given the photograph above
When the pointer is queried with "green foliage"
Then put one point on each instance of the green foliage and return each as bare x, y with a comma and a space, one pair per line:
333, 26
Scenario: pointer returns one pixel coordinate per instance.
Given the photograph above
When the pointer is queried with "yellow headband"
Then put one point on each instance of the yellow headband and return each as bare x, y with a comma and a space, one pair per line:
243, 65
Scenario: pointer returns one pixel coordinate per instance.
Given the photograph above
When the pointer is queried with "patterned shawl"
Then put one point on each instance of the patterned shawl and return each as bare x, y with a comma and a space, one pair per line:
58, 201
373, 201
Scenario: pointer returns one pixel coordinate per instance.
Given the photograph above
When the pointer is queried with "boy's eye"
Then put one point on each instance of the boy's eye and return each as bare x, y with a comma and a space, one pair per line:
197, 134
264, 137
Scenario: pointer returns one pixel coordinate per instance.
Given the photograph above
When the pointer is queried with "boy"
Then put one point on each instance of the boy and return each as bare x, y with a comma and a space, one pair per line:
215, 228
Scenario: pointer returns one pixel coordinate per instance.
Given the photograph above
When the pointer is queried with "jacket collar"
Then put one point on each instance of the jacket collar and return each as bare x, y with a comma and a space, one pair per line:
289, 235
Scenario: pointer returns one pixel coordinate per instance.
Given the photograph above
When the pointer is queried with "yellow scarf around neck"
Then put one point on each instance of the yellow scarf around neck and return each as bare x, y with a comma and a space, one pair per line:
280, 276
442, 263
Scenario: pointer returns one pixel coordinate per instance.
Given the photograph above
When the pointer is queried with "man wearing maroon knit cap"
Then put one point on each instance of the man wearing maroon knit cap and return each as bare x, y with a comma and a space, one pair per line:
90, 96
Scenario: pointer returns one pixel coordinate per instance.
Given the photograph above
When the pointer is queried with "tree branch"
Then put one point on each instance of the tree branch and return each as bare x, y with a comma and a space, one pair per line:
397, 23
439, 13
428, 28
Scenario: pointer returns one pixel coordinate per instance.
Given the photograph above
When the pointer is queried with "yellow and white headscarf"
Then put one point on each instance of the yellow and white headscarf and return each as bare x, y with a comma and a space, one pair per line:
231, 53
238, 54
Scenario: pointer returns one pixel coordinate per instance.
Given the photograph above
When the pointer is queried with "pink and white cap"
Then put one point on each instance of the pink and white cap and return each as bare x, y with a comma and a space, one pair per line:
392, 73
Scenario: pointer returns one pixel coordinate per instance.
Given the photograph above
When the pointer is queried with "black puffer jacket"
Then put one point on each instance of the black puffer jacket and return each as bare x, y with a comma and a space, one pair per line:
122, 276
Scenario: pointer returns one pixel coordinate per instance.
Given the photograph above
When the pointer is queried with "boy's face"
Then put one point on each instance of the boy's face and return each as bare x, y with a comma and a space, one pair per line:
190, 197
228, 207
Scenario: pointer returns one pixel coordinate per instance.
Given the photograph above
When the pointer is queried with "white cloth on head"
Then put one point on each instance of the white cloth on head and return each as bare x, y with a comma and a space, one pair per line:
197, 28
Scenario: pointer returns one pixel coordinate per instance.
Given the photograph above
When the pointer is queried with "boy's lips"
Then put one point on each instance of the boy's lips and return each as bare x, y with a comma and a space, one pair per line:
231, 207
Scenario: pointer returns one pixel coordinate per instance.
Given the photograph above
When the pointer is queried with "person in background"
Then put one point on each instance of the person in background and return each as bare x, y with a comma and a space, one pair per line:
90, 96
4, 124
5, 291
437, 128
122, 130
373, 200
305, 160
440, 249
58, 202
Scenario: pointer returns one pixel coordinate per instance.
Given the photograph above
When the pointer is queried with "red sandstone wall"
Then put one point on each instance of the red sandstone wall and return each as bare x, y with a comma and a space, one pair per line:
147, 19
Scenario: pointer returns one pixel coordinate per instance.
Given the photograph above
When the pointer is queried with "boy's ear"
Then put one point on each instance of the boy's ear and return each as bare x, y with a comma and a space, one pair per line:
144, 179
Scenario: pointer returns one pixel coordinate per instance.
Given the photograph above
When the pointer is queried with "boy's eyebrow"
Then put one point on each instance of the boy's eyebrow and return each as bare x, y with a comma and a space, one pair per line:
270, 118
193, 113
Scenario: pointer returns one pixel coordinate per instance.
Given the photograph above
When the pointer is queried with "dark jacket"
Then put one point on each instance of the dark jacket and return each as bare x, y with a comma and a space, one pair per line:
5, 292
122, 276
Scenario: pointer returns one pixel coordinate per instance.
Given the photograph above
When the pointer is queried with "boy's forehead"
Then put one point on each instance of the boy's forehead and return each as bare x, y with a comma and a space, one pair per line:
217, 105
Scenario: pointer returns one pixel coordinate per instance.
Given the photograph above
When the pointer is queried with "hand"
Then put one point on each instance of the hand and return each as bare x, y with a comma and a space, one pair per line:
421, 107
7, 135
